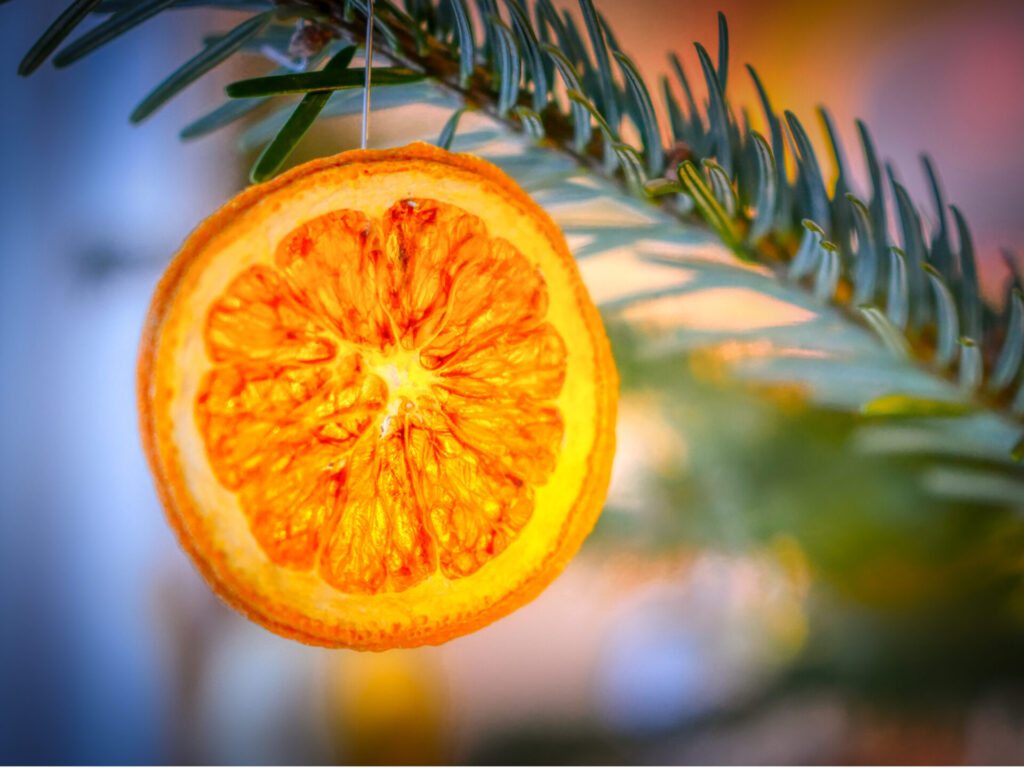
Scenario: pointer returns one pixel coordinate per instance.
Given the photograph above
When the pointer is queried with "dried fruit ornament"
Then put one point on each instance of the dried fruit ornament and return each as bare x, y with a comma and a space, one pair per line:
377, 399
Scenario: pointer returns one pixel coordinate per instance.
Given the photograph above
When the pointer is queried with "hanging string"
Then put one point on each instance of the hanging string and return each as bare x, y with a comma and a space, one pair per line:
366, 79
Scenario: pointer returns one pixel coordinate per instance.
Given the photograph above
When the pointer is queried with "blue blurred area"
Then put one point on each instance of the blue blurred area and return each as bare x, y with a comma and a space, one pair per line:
86, 225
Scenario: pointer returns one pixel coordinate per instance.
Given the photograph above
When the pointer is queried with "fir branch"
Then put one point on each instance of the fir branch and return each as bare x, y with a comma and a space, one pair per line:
54, 36
274, 155
919, 298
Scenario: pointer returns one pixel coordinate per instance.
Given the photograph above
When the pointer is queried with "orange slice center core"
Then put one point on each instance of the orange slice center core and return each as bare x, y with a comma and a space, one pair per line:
382, 397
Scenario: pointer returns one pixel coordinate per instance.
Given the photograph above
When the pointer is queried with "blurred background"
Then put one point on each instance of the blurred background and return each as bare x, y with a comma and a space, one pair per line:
755, 592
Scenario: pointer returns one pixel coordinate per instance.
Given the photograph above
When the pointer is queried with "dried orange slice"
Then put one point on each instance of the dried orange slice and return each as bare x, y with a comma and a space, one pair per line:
377, 399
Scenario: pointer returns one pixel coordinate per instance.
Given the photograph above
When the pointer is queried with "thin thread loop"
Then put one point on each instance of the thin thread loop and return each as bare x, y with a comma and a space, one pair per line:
366, 79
